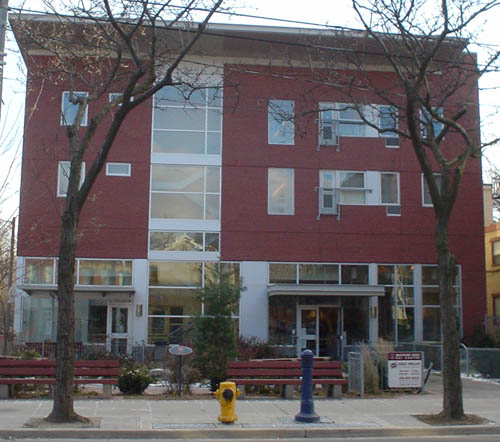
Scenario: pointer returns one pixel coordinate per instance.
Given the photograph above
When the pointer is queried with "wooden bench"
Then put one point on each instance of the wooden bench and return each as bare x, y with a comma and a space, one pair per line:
286, 373
42, 372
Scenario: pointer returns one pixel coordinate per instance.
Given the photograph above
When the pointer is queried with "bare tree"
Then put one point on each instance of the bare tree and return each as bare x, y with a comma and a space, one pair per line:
135, 47
430, 94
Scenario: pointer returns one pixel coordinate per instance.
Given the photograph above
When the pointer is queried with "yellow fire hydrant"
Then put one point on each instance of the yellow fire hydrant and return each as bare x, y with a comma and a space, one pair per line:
227, 394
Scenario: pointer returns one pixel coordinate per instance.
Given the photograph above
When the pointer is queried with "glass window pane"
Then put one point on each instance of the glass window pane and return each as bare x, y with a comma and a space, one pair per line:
430, 296
431, 324
405, 318
69, 110
281, 191
118, 169
430, 275
352, 130
179, 118
213, 179
212, 207
318, 274
354, 274
119, 320
211, 242
166, 141
175, 302
63, 179
351, 179
175, 274
496, 252
282, 320
385, 314
105, 272
404, 275
213, 143
385, 274
282, 273
178, 178
177, 206
404, 295
38, 271
179, 96
389, 188
281, 122
214, 96
214, 119
177, 241
348, 113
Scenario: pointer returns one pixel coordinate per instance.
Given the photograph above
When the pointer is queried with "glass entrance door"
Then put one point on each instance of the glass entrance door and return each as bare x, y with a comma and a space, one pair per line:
330, 329
118, 328
308, 330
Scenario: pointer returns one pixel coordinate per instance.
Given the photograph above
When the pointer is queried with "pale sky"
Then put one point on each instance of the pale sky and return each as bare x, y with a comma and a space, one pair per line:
331, 12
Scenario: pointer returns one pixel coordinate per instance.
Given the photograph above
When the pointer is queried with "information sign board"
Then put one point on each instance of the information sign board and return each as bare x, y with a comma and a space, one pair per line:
405, 369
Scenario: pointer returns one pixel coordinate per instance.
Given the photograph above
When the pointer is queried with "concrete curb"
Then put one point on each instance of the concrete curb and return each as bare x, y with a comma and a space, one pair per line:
252, 433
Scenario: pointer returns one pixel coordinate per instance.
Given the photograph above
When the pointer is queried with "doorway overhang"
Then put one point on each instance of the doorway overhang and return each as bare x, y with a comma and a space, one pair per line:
356, 290
51, 290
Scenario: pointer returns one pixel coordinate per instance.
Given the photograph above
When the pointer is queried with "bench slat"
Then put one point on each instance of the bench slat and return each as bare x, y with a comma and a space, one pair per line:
286, 381
281, 364
233, 372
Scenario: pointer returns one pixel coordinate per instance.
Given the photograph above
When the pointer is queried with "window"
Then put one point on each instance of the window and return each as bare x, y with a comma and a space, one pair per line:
40, 271
184, 241
280, 198
388, 119
118, 169
63, 177
426, 120
285, 273
185, 192
389, 188
426, 195
187, 120
69, 109
389, 192
495, 249
340, 187
104, 272
281, 126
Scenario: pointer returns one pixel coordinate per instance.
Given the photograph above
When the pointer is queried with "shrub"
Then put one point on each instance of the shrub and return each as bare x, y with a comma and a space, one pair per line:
254, 348
27, 354
133, 380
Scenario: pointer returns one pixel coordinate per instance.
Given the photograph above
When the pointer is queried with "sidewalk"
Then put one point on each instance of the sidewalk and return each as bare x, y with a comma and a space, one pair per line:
258, 418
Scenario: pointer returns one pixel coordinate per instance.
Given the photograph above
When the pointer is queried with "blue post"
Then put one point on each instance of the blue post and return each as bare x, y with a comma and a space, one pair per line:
307, 413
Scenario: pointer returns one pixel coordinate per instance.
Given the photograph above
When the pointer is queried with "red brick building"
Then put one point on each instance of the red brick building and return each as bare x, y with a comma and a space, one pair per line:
326, 221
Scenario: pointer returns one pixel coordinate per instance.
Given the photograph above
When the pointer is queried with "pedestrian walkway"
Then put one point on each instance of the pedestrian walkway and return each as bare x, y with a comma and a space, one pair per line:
258, 418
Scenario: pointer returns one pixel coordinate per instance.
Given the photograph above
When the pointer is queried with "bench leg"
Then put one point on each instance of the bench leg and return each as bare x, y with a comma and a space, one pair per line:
334, 391
4, 392
242, 391
287, 391
106, 390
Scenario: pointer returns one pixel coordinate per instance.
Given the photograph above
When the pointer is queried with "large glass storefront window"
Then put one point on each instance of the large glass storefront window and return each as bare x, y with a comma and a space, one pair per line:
40, 271
396, 317
431, 312
282, 320
173, 296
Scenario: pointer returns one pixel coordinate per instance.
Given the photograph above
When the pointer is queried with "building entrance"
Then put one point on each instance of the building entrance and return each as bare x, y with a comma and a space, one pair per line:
319, 329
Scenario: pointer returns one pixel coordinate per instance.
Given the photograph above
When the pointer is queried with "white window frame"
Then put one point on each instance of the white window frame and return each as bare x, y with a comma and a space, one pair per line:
60, 170
269, 196
390, 138
286, 123
392, 209
128, 173
85, 116
424, 184
337, 190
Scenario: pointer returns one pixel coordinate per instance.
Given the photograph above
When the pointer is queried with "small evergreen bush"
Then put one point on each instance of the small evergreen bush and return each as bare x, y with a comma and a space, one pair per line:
134, 380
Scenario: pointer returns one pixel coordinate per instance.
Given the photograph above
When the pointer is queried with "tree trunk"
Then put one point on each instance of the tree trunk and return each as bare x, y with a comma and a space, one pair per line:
452, 384
63, 410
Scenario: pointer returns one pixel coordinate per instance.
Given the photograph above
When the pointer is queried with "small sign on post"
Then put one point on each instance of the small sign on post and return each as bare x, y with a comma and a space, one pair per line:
404, 369
180, 351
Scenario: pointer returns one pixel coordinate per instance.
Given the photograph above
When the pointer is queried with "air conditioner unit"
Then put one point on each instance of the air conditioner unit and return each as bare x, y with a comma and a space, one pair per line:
328, 134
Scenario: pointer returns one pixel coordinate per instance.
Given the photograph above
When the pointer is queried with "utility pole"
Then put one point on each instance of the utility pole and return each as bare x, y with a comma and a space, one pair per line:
4, 8
10, 281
